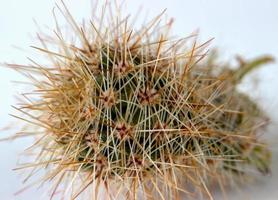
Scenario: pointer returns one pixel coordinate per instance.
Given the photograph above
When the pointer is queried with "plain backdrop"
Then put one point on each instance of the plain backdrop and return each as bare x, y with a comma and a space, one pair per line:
240, 27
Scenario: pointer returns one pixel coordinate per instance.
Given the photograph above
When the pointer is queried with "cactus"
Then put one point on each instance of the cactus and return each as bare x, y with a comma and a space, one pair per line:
140, 113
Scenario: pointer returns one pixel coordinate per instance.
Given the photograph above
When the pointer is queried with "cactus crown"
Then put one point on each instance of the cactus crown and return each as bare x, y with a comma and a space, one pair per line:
141, 111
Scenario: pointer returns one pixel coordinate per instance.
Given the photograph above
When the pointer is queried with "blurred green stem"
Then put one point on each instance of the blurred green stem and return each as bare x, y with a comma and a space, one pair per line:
247, 67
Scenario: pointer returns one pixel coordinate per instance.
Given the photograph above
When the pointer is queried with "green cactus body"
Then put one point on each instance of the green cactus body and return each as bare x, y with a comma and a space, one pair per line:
142, 112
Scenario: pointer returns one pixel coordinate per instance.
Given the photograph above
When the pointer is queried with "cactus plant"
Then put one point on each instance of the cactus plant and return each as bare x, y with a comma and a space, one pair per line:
139, 113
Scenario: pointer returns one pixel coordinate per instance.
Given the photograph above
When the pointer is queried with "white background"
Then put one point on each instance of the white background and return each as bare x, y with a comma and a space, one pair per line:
245, 27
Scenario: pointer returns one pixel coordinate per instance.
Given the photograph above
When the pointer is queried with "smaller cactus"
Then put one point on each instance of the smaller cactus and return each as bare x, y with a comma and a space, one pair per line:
140, 114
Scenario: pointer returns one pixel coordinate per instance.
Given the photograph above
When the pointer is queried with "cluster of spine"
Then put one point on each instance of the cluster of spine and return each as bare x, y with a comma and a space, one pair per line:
141, 114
